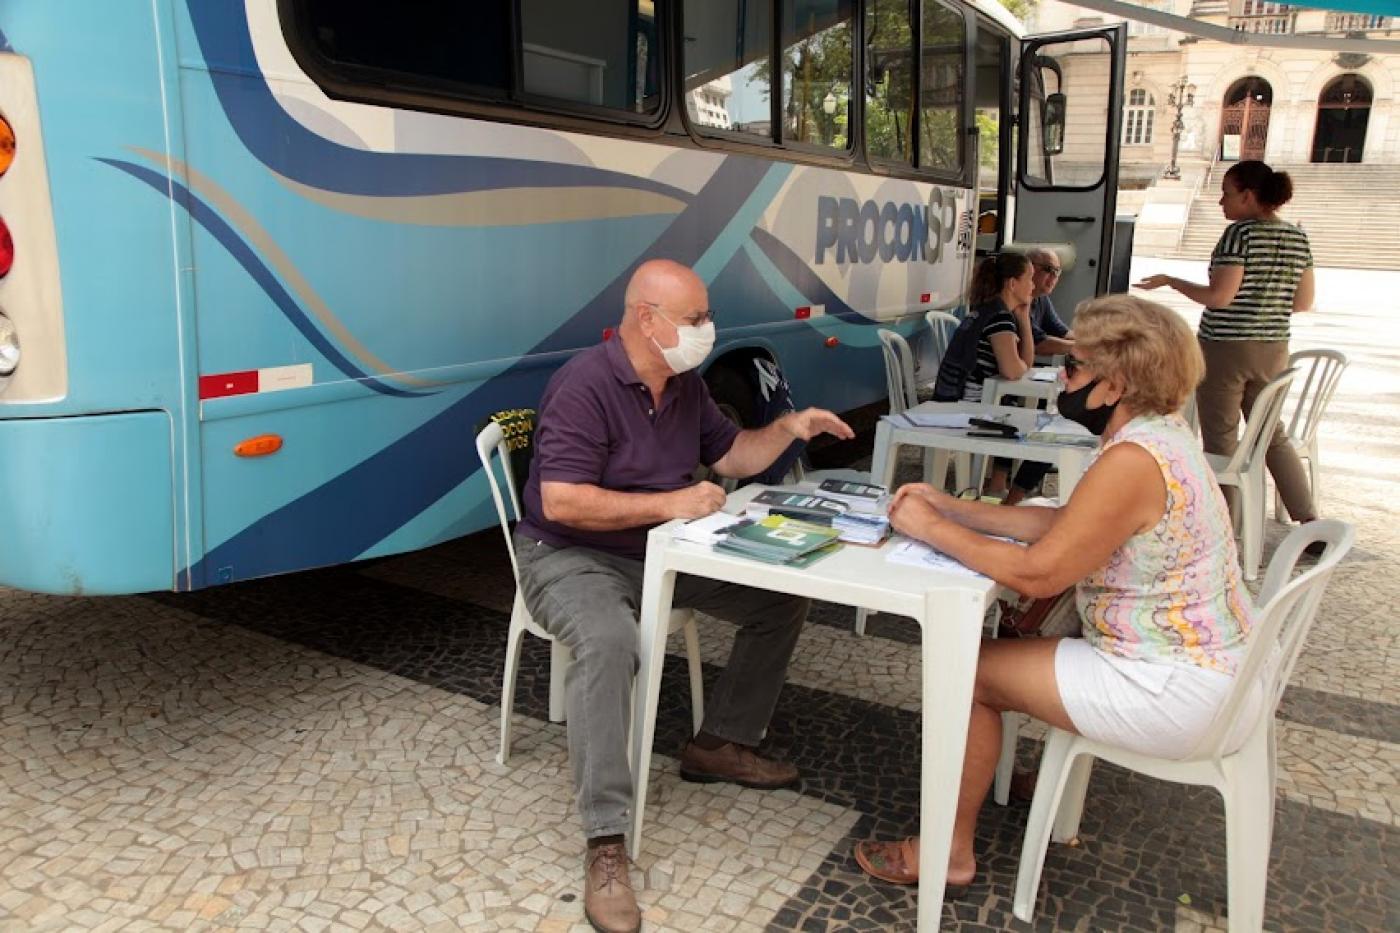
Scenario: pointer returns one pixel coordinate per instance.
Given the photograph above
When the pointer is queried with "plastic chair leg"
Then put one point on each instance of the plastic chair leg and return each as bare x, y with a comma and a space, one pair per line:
1248, 831
861, 616
1071, 808
559, 660
514, 642
1252, 524
1006, 764
1055, 767
697, 677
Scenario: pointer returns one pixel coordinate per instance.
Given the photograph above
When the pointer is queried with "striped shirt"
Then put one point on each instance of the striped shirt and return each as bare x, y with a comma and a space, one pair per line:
1274, 255
956, 379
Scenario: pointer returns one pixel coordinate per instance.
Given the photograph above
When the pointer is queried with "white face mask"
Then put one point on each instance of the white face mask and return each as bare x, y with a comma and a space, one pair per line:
696, 342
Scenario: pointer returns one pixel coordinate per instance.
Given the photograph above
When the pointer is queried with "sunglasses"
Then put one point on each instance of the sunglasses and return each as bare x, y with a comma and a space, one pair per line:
1073, 365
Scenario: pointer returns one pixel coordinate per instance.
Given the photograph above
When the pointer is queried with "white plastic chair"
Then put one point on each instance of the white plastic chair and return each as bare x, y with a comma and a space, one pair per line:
899, 371
491, 440
1319, 371
1190, 415
1245, 775
1244, 470
941, 326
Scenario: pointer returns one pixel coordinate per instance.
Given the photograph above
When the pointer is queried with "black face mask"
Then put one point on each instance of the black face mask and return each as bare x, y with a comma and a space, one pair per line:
1073, 405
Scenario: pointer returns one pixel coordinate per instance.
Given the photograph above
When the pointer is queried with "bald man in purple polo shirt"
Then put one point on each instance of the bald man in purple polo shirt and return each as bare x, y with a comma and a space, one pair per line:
621, 428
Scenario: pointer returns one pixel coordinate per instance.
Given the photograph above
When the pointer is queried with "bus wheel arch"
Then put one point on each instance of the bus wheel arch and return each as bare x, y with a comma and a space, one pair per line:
733, 384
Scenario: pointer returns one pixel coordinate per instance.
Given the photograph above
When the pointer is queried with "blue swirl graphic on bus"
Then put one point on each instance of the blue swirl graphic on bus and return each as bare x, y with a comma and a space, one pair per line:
243, 253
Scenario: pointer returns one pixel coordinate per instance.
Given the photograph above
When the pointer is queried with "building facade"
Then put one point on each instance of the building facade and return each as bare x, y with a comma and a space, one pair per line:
1284, 106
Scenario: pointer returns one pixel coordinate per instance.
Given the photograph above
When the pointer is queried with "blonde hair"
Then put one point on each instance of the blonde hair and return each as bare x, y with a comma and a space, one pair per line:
1142, 346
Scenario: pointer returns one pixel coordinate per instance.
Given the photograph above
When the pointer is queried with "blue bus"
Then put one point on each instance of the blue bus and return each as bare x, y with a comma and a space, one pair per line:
265, 265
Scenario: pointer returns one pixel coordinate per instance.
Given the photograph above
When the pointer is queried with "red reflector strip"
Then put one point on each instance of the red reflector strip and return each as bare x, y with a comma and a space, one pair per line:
225, 384
802, 314
925, 298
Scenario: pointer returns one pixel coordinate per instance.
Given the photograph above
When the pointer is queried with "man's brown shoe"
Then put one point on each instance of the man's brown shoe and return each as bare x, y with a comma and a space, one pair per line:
735, 764
608, 900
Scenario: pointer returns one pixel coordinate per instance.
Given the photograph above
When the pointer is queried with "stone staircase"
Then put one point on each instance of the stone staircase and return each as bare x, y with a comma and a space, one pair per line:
1351, 214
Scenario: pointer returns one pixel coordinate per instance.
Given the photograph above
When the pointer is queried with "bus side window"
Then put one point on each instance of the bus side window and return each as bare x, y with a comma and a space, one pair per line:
601, 54
889, 82
892, 95
584, 52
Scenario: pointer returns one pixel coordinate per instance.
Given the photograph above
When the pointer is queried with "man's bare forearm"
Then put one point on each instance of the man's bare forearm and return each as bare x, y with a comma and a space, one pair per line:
593, 508
755, 449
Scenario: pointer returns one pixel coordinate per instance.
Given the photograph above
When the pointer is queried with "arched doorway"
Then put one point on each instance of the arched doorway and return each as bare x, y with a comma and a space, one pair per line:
1244, 119
1343, 109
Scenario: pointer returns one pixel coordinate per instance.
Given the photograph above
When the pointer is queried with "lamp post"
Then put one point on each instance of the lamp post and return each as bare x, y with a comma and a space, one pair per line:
1183, 95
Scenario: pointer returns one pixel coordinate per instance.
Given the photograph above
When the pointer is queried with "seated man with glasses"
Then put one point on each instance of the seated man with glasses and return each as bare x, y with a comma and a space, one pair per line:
620, 431
1052, 336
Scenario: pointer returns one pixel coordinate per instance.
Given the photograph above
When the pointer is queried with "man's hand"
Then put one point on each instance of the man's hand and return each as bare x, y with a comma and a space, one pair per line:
704, 498
1154, 281
808, 423
914, 515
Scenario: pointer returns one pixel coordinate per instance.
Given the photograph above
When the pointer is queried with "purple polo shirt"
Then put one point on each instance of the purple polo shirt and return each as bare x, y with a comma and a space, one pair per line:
597, 425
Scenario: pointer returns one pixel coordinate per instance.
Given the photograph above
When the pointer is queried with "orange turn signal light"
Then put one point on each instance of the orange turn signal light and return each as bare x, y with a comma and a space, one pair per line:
7, 145
259, 446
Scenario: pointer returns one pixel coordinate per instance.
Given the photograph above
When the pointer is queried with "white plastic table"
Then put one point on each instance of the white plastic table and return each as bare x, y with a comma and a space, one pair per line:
1028, 387
948, 606
1071, 460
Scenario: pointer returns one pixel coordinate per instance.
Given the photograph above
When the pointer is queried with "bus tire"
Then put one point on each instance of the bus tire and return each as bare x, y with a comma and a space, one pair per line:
733, 393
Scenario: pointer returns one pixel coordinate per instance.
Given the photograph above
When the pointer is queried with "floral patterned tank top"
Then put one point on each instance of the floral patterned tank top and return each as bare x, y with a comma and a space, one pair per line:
1175, 593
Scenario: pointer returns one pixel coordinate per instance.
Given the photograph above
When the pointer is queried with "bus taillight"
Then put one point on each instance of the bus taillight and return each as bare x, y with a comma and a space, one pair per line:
7, 249
7, 145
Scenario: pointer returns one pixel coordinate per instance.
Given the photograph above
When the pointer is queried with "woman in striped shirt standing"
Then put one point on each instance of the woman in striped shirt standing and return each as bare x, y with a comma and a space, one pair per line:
1261, 272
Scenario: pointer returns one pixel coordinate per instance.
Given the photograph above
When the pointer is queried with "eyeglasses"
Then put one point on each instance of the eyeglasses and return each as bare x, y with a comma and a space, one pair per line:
1048, 270
694, 319
1073, 365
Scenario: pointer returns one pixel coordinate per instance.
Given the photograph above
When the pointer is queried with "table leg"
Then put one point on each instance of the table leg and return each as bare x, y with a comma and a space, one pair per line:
952, 635
658, 587
1072, 464
884, 457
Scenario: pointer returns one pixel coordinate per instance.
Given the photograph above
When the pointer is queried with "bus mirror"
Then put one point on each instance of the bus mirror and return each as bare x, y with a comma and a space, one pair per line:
1052, 126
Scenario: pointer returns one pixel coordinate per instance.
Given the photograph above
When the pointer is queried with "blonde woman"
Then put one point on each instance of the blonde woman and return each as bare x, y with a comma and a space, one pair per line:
1145, 539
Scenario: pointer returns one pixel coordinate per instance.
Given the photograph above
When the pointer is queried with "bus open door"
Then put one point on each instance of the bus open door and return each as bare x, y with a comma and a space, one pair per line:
1069, 126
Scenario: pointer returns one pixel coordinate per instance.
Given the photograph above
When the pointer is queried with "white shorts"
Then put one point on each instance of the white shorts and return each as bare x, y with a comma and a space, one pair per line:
1159, 709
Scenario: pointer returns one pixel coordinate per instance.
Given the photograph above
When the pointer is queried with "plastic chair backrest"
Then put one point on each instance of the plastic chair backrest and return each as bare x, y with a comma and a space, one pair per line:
941, 326
492, 440
1190, 415
1321, 371
1259, 427
1287, 607
899, 371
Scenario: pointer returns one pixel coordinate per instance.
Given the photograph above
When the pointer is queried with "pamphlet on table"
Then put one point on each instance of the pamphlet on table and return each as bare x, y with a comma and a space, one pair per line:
856, 527
777, 539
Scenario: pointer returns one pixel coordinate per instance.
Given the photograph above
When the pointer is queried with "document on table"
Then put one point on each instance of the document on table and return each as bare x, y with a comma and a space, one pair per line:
710, 529
1044, 374
918, 554
916, 419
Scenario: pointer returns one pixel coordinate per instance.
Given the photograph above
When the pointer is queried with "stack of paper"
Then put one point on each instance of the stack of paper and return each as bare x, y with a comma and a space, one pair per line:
1055, 429
852, 526
780, 540
862, 498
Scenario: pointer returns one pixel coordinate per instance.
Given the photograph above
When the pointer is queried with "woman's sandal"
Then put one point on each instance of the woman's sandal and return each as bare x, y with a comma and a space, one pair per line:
898, 863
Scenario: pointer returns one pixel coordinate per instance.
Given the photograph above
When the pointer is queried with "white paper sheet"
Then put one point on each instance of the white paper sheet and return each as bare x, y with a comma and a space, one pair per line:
914, 419
918, 554
707, 530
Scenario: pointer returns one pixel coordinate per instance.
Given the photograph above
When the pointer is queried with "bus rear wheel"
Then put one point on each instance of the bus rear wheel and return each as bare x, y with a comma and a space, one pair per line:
733, 394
